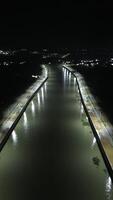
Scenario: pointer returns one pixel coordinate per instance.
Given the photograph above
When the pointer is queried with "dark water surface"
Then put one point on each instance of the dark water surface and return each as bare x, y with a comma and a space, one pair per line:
52, 152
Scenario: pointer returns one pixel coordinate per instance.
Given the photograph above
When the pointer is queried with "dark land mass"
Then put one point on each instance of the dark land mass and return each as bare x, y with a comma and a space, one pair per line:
99, 78
16, 70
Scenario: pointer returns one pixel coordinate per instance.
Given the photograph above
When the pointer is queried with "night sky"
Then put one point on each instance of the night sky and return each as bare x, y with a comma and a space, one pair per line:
56, 24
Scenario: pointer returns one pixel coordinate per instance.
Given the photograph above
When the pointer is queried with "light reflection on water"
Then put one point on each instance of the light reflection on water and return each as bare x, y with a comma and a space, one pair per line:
108, 185
14, 137
38, 96
94, 142
108, 188
65, 75
82, 109
25, 120
45, 86
74, 81
39, 99
33, 107
69, 78
42, 94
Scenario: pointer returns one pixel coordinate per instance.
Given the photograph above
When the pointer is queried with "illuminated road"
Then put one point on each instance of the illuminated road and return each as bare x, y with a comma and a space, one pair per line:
52, 152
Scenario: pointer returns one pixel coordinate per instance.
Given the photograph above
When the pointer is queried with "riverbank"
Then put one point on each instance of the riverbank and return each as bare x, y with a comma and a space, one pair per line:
13, 113
100, 124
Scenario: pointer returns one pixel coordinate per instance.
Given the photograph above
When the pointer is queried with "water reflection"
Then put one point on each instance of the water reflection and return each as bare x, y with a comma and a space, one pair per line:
69, 77
94, 142
25, 120
45, 87
33, 108
42, 94
38, 97
108, 188
78, 154
65, 75
14, 137
82, 109
74, 81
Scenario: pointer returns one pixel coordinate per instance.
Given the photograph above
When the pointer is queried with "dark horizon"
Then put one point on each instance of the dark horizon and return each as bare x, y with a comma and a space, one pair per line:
57, 24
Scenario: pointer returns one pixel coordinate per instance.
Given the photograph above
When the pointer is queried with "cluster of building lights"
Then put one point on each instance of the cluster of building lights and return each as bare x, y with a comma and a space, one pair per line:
110, 61
4, 52
7, 63
88, 63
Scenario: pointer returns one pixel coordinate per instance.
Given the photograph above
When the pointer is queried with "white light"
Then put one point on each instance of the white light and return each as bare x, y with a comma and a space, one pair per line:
25, 119
92, 64
33, 107
34, 76
94, 142
69, 75
74, 80
38, 96
5, 63
14, 137
45, 86
42, 92
21, 63
108, 187
82, 110
65, 75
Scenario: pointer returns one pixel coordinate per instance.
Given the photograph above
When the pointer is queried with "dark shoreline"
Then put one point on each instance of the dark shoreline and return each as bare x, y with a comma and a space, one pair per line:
100, 83
16, 76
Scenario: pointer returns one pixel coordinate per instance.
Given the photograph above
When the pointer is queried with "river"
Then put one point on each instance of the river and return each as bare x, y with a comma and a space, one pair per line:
52, 152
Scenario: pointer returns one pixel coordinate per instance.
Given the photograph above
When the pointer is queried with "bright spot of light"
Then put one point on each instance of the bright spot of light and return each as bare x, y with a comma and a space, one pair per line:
38, 96
25, 119
94, 142
65, 74
45, 85
82, 110
42, 92
69, 76
74, 80
33, 107
34, 76
5, 63
108, 187
14, 137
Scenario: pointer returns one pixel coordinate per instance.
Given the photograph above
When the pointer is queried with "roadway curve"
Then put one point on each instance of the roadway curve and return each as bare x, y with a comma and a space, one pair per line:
52, 152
